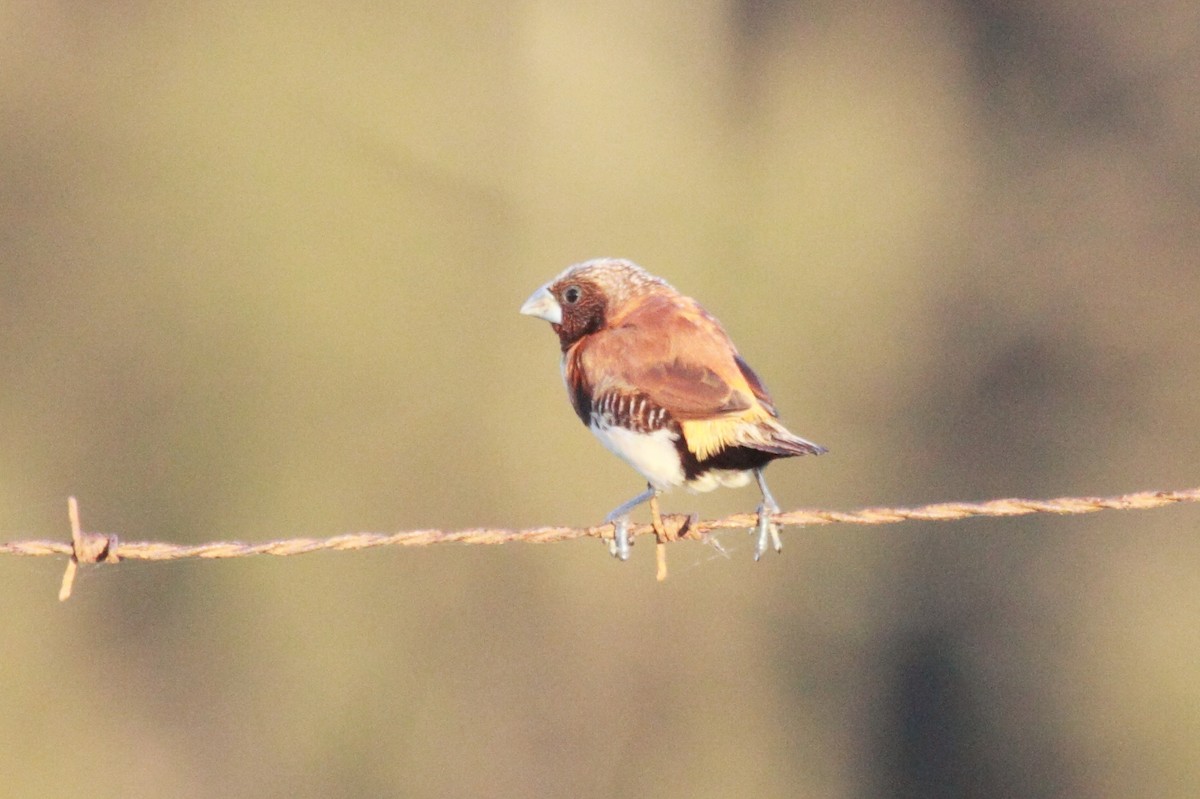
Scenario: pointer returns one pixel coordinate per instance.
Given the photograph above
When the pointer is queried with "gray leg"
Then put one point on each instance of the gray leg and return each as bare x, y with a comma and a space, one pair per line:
766, 528
619, 518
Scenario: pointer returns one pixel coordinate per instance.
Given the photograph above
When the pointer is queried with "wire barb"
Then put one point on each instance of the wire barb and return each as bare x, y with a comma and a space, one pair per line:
88, 547
85, 548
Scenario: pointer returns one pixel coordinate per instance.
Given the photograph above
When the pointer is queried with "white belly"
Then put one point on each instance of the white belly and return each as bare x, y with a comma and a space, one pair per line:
653, 455
655, 458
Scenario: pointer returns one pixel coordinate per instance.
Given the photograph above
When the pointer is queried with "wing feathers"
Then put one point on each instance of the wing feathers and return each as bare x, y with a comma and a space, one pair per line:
669, 352
690, 390
670, 349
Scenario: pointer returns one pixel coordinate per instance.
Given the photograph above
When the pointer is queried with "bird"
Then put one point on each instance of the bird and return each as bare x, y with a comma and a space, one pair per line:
658, 381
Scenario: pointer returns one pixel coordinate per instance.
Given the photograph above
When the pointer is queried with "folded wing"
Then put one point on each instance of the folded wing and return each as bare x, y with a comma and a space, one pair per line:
671, 352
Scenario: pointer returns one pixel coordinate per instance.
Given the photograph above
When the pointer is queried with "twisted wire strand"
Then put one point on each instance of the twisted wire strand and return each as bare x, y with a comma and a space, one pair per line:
87, 547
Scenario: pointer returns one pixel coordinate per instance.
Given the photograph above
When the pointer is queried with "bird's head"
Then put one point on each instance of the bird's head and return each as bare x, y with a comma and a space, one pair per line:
589, 296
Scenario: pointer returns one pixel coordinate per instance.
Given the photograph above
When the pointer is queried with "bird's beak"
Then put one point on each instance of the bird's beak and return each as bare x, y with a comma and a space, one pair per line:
543, 305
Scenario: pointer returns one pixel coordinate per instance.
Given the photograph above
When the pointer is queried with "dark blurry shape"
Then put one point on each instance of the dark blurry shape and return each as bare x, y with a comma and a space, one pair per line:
1032, 61
1057, 72
936, 740
1016, 405
755, 19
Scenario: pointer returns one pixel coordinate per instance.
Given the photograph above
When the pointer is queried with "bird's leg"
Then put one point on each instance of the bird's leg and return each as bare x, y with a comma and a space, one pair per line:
619, 518
766, 528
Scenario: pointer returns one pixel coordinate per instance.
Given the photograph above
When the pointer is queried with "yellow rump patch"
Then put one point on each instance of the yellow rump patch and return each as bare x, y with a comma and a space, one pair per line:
707, 437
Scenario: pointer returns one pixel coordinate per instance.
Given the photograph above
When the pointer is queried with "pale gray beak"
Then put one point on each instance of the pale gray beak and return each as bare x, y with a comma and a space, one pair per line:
543, 305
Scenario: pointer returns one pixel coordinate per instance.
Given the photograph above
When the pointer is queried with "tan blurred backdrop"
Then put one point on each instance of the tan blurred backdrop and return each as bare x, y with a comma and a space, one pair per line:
259, 272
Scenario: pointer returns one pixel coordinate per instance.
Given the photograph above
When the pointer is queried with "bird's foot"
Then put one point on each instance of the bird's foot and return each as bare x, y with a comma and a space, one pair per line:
619, 519
618, 545
767, 531
766, 528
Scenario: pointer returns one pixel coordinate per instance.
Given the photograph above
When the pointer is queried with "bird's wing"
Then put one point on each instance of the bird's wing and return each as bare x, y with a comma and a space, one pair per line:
670, 353
673, 352
756, 385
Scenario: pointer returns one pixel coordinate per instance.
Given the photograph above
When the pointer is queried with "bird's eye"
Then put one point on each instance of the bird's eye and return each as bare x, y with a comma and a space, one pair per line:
572, 295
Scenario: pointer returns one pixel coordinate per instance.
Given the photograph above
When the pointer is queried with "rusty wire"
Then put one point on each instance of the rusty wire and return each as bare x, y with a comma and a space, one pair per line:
87, 547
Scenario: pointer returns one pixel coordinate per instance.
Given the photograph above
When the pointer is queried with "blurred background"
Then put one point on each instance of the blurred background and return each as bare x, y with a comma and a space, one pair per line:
260, 267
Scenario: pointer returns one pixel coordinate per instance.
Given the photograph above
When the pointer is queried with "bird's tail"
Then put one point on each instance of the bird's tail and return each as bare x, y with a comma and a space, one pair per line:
706, 437
778, 440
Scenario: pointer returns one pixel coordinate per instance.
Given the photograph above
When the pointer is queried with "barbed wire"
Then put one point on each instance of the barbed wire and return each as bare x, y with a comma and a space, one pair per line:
89, 547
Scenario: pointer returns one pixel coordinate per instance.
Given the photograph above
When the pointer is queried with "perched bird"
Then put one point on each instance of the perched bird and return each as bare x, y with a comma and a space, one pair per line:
658, 381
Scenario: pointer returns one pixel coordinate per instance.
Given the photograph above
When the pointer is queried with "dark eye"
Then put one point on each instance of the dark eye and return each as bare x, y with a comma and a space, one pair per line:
572, 294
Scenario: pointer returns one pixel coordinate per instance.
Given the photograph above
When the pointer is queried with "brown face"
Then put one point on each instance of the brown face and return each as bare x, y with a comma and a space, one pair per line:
583, 309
